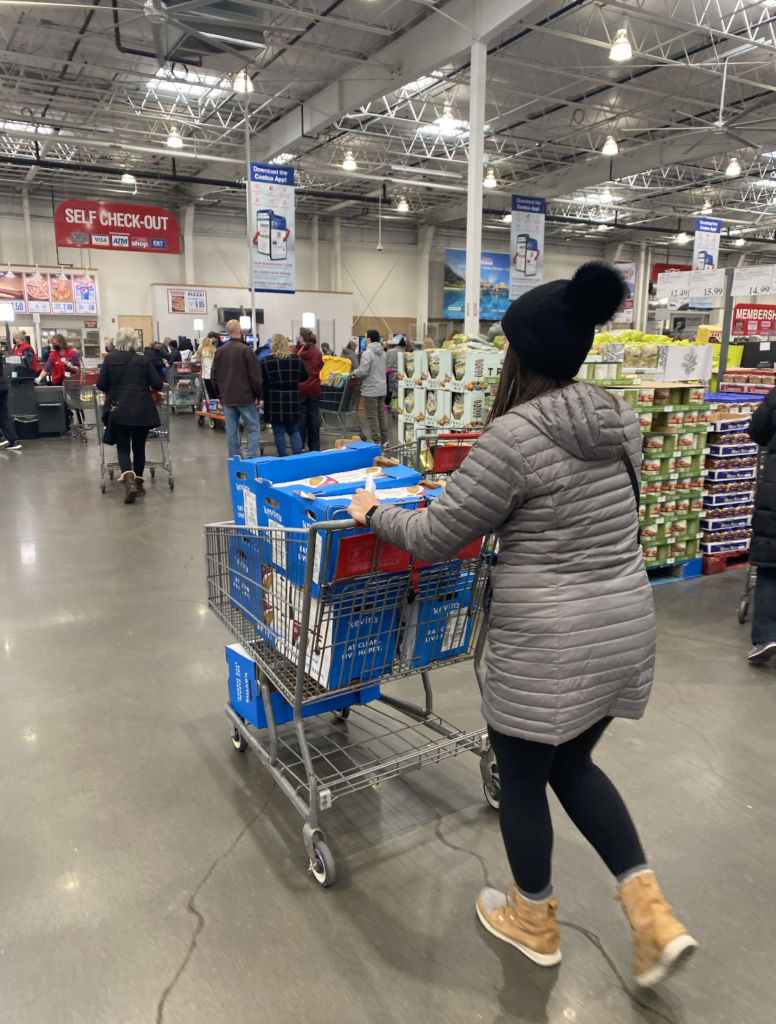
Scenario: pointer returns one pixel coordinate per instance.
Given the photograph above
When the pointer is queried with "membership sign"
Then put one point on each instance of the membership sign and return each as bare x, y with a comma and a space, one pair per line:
272, 228
526, 268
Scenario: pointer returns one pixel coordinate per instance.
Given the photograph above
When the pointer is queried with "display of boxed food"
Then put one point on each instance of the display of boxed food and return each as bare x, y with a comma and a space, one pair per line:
418, 406
734, 449
468, 410
439, 368
474, 371
723, 475
723, 546
658, 443
652, 532
748, 389
437, 624
412, 368
595, 370
710, 524
406, 403
438, 407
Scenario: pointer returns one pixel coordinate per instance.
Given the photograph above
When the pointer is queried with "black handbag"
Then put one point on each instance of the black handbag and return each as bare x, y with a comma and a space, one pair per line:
109, 433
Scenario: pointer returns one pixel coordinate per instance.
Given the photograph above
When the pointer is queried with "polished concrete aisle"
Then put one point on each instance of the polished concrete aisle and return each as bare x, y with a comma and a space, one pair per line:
150, 873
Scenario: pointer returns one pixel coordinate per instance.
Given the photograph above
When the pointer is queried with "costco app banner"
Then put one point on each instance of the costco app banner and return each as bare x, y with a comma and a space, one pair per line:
527, 245
87, 224
272, 228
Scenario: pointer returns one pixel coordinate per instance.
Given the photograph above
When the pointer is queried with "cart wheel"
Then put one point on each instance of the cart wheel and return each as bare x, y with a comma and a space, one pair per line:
102, 486
84, 438
212, 423
341, 714
322, 868
153, 473
493, 791
110, 473
171, 482
743, 610
172, 409
238, 740
73, 432
200, 421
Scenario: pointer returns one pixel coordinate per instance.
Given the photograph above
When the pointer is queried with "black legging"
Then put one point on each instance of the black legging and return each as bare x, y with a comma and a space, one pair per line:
137, 435
586, 793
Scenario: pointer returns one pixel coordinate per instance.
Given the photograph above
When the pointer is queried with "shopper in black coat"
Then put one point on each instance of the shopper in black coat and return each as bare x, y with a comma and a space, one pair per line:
762, 431
127, 377
282, 372
154, 354
8, 436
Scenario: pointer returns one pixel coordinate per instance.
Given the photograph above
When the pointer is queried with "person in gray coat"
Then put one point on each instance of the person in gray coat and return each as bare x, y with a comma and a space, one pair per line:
373, 386
572, 625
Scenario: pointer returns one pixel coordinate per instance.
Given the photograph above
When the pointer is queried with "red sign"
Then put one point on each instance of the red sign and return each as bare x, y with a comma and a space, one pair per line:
87, 224
750, 319
664, 268
90, 323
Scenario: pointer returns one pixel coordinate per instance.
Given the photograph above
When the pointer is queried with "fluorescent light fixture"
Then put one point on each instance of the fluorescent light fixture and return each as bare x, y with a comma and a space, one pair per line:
426, 170
6, 312
282, 158
174, 140
707, 209
199, 325
308, 321
682, 238
733, 169
349, 163
403, 206
507, 218
242, 82
490, 179
245, 323
128, 179
739, 242
610, 147
621, 47
606, 196
604, 227
446, 121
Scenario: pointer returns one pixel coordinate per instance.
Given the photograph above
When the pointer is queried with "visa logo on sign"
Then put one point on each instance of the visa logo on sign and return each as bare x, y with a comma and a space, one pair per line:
120, 241
158, 243
100, 240
139, 243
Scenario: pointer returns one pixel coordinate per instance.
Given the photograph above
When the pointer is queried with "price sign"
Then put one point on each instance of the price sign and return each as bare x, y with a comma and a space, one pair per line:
753, 280
674, 285
708, 284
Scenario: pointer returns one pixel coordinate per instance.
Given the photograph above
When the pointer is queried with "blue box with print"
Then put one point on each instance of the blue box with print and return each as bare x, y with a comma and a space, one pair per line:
438, 623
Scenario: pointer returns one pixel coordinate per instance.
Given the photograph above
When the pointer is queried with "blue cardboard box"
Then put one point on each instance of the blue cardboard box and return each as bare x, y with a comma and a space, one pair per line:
437, 624
247, 569
245, 695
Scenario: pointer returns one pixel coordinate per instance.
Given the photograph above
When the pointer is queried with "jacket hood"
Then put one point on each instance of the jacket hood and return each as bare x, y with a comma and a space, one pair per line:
581, 419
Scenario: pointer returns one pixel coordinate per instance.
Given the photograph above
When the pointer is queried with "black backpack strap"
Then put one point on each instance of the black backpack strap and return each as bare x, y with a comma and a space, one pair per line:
634, 484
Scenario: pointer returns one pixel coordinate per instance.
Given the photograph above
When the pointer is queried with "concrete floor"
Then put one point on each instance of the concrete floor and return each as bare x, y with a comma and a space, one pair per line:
149, 873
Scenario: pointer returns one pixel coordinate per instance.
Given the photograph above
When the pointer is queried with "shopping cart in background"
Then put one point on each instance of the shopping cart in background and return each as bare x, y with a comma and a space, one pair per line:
161, 434
751, 570
81, 397
436, 456
339, 406
185, 387
325, 620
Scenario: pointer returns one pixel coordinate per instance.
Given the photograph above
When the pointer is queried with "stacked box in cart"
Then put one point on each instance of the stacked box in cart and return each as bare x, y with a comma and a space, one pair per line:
437, 624
245, 694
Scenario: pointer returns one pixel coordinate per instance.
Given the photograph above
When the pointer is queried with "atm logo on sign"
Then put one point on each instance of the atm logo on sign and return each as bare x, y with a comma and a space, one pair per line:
119, 241
139, 243
158, 243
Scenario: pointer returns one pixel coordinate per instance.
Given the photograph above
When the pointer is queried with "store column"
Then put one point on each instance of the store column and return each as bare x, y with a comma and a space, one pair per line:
479, 56
425, 238
27, 225
337, 282
316, 255
188, 243
639, 306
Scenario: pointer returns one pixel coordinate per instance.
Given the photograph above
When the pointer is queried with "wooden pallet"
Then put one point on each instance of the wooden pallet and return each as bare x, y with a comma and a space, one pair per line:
721, 563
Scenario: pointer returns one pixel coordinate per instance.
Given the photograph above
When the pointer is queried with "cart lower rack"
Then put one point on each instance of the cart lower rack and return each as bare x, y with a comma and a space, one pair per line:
314, 644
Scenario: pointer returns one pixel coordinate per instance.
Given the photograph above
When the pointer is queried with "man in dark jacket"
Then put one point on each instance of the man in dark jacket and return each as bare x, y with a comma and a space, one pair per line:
175, 356
762, 431
236, 380
8, 437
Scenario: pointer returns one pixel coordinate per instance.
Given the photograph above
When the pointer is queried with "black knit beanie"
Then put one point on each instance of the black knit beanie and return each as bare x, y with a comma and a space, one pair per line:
551, 327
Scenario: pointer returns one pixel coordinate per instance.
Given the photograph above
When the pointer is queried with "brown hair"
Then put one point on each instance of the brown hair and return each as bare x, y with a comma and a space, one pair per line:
429, 343
280, 346
351, 345
519, 384
307, 336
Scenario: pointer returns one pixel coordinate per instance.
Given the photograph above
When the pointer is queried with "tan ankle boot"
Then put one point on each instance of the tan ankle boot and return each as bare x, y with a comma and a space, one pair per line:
128, 479
660, 943
530, 927
139, 489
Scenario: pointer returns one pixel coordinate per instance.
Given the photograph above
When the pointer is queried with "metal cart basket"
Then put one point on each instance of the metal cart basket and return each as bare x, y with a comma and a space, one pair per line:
185, 387
435, 456
321, 641
81, 397
161, 434
339, 407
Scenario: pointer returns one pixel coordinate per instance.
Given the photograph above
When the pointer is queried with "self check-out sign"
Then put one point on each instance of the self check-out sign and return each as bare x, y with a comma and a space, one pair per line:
83, 223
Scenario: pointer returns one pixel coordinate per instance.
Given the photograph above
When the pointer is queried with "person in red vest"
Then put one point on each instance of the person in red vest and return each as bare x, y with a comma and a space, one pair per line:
63, 361
23, 348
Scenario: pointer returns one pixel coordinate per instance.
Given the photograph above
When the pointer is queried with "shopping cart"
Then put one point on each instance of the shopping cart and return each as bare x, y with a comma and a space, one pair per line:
160, 434
436, 456
322, 642
751, 570
185, 387
81, 397
339, 405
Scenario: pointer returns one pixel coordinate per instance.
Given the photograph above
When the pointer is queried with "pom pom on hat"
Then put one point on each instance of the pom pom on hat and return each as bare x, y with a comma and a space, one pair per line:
596, 292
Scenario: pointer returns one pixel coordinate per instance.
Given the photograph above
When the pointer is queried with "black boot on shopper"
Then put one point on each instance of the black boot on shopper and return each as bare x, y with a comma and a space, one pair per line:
128, 479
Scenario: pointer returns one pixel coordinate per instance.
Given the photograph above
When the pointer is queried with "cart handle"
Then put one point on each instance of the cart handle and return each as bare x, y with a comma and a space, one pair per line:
457, 437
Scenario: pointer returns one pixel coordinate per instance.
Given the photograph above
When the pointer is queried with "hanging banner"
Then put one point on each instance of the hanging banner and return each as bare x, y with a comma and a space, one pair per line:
705, 256
87, 224
526, 268
494, 284
272, 229
187, 300
753, 320
624, 314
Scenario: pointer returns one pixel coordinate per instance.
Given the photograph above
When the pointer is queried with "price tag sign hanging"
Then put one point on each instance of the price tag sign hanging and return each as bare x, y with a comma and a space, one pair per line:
674, 285
707, 284
753, 280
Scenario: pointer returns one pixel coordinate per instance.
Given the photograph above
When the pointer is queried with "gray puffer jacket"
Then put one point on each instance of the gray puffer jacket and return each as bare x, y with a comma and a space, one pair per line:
572, 625
372, 371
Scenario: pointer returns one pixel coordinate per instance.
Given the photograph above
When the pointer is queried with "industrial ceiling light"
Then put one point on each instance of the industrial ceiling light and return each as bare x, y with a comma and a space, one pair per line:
621, 47
490, 179
62, 275
174, 140
610, 147
282, 158
733, 169
242, 82
604, 227
682, 238
128, 179
446, 122
349, 163
507, 218
706, 209
403, 206
606, 195
739, 242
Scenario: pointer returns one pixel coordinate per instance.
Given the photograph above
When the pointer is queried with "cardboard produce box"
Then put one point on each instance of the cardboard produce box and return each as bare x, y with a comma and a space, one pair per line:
468, 410
476, 370
439, 367
413, 368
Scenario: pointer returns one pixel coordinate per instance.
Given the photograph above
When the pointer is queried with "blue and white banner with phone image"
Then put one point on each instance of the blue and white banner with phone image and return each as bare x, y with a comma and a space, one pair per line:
705, 255
273, 230
526, 268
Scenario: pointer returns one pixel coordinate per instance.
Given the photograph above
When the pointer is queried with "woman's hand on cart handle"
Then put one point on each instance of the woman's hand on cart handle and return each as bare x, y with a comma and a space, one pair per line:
361, 504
